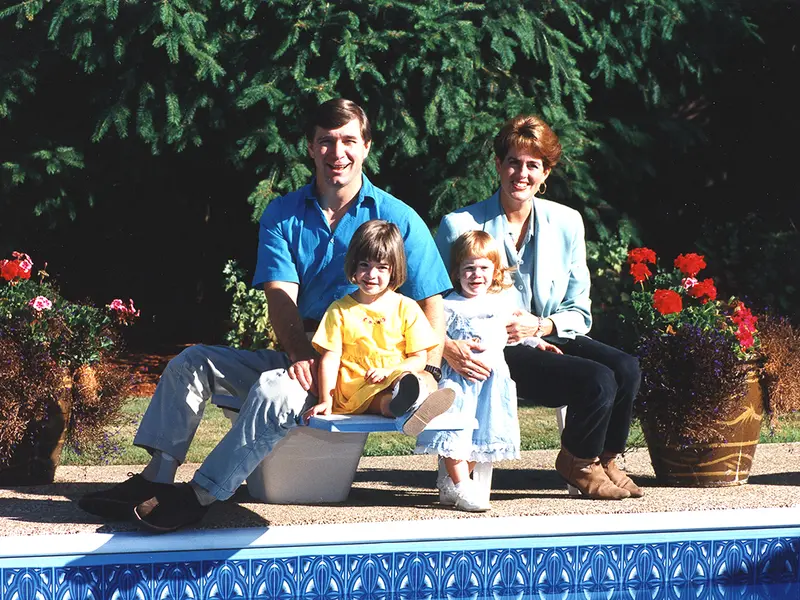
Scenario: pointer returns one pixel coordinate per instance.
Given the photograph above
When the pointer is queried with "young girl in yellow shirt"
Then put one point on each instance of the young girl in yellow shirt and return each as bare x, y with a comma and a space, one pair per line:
374, 341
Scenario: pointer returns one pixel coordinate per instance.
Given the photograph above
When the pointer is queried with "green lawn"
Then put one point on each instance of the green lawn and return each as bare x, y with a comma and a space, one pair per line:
537, 427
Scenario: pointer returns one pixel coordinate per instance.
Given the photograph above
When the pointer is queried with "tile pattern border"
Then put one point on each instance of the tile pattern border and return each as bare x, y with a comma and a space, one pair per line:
595, 569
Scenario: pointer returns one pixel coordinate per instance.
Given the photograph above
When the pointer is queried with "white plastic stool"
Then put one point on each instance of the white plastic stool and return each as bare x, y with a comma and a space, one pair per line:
317, 463
308, 466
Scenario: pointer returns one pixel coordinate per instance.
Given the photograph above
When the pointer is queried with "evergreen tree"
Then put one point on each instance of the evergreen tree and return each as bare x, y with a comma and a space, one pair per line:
237, 78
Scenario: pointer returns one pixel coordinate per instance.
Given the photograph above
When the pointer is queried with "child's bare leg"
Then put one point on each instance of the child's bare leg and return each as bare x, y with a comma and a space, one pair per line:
379, 405
458, 470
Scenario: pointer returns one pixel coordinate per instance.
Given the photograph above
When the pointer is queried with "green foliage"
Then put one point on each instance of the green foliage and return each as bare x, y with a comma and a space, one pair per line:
761, 259
437, 78
71, 334
250, 326
605, 258
55, 364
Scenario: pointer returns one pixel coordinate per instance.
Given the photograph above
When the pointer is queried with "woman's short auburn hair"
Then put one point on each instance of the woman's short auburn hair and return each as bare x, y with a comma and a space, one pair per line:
379, 241
529, 133
478, 244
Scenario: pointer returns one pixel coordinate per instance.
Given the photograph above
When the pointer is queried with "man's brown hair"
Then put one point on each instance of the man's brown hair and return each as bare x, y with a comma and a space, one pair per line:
337, 113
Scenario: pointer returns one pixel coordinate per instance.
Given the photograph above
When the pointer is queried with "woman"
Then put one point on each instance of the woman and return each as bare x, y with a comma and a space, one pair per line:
545, 246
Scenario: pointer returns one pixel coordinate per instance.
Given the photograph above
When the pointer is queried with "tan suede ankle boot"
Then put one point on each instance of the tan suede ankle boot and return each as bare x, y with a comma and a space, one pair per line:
618, 476
588, 476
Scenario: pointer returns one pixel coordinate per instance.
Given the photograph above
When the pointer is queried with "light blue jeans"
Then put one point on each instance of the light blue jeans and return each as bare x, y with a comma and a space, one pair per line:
256, 383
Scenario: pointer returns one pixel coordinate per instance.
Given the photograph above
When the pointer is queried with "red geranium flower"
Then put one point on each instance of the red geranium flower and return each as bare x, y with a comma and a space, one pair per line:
18, 267
745, 338
690, 264
641, 255
705, 290
640, 272
667, 302
744, 318
8, 269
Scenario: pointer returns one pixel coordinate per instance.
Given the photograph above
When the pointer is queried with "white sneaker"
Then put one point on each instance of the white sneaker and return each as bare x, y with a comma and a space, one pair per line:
468, 498
447, 491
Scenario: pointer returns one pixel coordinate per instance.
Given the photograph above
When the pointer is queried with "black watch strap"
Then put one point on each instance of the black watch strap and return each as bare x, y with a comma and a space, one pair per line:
435, 371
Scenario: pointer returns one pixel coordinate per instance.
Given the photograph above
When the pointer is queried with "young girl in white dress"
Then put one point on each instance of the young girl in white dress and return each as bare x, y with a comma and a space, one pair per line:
478, 310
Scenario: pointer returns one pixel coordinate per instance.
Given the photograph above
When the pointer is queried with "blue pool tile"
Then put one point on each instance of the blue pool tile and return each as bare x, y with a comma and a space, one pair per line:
777, 560
462, 573
689, 562
689, 590
28, 584
274, 579
128, 582
508, 572
177, 581
644, 566
321, 577
599, 568
734, 562
416, 574
554, 570
369, 575
225, 580
78, 583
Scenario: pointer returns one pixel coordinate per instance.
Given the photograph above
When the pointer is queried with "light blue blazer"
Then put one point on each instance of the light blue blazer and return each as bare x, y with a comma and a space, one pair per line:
560, 288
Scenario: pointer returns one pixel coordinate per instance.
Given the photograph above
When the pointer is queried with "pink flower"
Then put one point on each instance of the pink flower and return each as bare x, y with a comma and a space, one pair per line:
126, 313
688, 283
24, 264
132, 309
40, 303
118, 304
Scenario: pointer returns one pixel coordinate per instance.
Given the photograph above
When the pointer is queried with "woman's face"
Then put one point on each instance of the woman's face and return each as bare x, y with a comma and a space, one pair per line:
521, 174
475, 276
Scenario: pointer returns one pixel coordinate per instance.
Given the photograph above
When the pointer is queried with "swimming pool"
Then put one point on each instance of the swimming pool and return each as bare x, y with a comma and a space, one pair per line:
743, 554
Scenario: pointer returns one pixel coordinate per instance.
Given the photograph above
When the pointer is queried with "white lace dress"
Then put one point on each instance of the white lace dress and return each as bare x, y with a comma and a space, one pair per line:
493, 402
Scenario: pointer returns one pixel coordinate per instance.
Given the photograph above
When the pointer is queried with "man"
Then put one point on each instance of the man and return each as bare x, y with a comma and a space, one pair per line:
303, 239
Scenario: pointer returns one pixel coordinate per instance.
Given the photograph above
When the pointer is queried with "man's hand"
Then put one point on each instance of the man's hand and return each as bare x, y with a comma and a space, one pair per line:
305, 373
323, 408
376, 375
460, 355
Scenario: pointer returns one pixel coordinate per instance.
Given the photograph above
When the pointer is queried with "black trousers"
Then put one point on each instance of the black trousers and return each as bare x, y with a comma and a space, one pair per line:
597, 383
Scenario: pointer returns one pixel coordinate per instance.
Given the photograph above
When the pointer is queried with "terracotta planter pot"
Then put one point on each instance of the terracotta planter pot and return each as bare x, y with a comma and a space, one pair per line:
36, 457
726, 461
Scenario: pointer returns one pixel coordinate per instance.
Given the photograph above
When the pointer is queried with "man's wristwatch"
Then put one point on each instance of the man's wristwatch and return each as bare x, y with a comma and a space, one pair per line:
435, 371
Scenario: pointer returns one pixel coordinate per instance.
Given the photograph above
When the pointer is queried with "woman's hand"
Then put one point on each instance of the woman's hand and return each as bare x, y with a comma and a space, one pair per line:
460, 355
548, 347
376, 375
524, 325
323, 408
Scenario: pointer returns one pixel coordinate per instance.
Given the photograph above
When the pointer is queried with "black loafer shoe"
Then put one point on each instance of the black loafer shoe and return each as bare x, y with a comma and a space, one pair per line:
170, 509
117, 503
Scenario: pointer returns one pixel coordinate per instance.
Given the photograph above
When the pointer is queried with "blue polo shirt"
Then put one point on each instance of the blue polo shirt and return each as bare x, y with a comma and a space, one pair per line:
296, 245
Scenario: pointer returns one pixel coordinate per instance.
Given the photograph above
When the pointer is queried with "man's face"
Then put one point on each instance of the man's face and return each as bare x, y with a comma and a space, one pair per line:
338, 154
521, 174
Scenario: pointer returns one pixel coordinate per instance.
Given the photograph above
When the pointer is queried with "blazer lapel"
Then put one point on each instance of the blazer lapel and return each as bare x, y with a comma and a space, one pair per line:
544, 258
